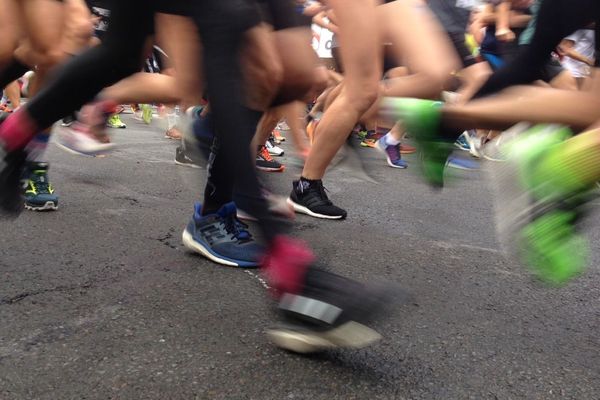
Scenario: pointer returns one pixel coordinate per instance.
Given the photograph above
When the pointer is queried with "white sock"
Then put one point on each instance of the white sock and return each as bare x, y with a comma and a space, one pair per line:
390, 141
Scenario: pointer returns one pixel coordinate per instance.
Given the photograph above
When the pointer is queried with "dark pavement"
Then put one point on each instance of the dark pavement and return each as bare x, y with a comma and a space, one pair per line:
100, 300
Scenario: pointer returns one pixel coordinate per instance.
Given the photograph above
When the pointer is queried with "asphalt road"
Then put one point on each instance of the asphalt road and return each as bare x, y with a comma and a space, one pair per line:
100, 301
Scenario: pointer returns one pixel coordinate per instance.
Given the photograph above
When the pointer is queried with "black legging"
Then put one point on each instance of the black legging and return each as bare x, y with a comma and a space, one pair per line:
221, 24
556, 20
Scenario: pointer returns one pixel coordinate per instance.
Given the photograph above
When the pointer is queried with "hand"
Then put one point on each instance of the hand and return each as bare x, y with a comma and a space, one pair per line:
505, 35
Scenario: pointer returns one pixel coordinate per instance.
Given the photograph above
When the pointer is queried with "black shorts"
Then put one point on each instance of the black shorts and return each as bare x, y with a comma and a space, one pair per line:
467, 58
174, 7
282, 14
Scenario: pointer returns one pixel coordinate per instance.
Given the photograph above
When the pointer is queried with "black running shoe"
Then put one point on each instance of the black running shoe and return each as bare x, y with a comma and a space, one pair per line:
310, 198
189, 158
265, 162
329, 312
12, 167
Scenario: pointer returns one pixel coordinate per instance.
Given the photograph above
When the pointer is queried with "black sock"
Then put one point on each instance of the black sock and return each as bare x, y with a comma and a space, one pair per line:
13, 71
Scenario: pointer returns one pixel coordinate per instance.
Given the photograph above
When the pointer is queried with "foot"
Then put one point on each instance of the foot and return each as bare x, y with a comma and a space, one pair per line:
273, 149
146, 113
39, 193
173, 134
12, 167
319, 310
189, 158
310, 198
422, 119
265, 162
536, 218
115, 122
79, 139
222, 238
392, 154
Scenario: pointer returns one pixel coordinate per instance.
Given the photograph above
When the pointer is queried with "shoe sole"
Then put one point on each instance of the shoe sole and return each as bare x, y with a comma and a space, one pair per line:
277, 155
387, 159
189, 165
349, 335
49, 206
304, 210
281, 169
191, 244
79, 153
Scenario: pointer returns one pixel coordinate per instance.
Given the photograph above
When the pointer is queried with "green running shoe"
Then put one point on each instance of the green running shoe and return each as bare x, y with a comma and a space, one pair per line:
114, 121
146, 113
421, 118
39, 193
535, 219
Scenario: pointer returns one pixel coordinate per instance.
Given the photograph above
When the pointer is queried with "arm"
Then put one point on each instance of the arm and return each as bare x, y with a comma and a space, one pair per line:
567, 48
503, 31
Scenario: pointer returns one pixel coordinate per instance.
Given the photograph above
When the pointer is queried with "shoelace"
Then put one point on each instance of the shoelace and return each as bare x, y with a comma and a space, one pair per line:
264, 153
40, 184
237, 228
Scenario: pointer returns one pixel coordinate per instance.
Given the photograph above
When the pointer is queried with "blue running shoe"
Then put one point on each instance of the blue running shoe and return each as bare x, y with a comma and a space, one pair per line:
39, 194
222, 238
463, 142
392, 154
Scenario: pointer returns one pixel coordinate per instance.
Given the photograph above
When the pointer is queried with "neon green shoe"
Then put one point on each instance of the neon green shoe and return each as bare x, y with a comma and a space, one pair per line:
146, 113
536, 219
114, 121
421, 118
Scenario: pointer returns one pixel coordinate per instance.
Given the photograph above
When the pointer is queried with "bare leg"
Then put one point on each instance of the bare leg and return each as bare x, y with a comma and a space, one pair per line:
537, 105
13, 92
360, 84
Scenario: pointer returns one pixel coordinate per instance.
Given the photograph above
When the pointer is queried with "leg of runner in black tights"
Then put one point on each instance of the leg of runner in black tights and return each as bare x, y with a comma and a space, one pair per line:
86, 75
222, 25
556, 20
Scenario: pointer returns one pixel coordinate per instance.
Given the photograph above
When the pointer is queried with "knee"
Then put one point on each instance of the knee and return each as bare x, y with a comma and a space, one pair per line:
363, 96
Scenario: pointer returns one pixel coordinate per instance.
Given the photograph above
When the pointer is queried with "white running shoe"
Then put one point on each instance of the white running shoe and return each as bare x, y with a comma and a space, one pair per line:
77, 140
274, 150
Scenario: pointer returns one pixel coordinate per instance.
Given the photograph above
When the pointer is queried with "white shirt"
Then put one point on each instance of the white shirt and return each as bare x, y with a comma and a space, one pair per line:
584, 40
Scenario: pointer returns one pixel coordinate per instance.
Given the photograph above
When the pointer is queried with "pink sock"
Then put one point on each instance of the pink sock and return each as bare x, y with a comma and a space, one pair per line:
17, 130
285, 265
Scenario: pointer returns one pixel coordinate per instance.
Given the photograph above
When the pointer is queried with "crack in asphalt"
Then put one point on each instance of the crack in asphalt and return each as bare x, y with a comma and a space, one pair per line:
24, 295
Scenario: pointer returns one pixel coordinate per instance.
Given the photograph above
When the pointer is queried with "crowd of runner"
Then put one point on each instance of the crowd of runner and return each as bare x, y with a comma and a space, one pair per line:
509, 82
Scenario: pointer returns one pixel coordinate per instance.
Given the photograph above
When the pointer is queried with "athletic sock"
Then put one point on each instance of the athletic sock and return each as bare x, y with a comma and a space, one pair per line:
390, 141
36, 149
17, 130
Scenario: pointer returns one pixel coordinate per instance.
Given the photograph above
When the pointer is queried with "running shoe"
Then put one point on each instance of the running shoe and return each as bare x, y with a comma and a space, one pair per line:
272, 149
463, 141
114, 121
462, 164
311, 199
265, 162
319, 310
370, 140
188, 158
12, 167
146, 113
39, 194
277, 136
535, 218
392, 154
422, 118
78, 139
222, 238
406, 149
476, 144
